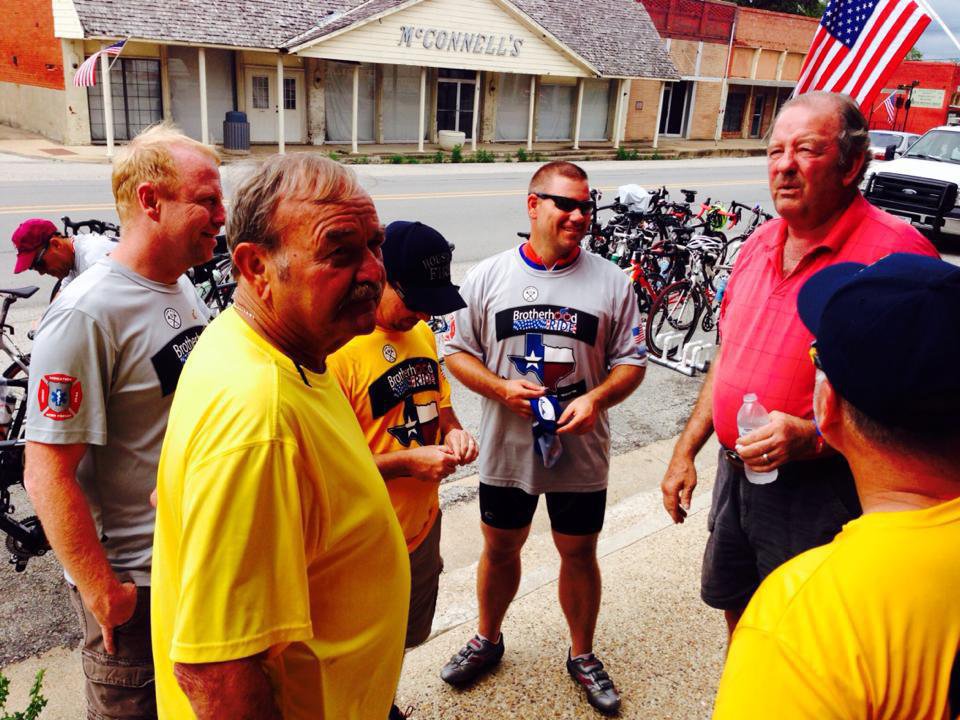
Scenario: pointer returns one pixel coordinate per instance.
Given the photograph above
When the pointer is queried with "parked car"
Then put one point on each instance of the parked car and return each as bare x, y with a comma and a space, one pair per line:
880, 140
921, 187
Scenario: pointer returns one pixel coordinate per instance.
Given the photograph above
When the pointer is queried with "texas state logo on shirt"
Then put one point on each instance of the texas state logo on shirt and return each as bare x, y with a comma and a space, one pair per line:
421, 424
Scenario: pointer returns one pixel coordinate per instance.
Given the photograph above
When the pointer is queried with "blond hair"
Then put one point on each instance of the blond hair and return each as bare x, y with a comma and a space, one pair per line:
302, 177
147, 158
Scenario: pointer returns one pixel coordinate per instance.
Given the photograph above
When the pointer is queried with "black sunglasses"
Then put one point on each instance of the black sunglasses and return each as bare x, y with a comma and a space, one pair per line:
565, 204
39, 257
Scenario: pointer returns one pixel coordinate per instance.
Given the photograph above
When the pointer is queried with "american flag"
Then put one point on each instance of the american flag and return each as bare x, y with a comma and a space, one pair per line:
86, 74
890, 106
858, 45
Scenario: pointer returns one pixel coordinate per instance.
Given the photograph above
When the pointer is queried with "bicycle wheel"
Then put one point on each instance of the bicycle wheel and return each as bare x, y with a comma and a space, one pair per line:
675, 310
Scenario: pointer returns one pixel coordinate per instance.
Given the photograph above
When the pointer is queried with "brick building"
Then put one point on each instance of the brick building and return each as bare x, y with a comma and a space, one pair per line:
935, 99
737, 66
332, 71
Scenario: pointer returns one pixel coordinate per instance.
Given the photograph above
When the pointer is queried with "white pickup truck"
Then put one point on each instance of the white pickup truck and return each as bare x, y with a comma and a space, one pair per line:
921, 187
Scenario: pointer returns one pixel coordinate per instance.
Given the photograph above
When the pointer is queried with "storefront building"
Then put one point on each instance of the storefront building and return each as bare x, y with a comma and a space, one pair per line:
934, 92
341, 72
737, 66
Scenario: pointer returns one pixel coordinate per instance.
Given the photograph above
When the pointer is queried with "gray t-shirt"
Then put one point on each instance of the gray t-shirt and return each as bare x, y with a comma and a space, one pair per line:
88, 248
105, 363
562, 328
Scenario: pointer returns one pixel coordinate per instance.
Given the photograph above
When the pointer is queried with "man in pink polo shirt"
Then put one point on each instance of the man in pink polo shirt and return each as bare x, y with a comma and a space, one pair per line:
817, 156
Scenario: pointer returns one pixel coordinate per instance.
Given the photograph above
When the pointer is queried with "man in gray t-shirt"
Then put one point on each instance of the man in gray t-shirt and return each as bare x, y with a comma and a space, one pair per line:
550, 338
105, 364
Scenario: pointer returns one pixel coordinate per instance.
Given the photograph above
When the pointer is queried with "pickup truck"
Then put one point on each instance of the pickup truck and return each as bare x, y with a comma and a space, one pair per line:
921, 187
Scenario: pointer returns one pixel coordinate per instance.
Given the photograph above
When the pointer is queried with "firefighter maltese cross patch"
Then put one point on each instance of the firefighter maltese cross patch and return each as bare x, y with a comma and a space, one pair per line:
59, 396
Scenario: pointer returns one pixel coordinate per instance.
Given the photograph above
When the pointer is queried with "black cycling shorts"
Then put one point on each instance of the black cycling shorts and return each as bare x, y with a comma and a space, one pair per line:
571, 513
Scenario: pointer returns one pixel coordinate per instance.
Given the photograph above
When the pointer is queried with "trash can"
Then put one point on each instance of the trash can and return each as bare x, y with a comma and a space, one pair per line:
236, 132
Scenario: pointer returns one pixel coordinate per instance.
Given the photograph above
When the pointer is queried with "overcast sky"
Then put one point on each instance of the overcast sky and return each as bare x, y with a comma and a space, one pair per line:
934, 43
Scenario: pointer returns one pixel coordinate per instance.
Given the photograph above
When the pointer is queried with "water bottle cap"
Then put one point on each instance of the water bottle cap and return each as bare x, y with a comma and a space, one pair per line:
750, 398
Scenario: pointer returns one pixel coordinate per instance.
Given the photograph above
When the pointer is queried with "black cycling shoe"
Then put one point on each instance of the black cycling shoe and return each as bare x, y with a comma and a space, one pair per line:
398, 714
590, 675
473, 660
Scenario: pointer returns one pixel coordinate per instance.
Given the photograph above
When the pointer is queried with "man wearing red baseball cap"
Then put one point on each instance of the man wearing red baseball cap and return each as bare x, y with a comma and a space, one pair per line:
41, 247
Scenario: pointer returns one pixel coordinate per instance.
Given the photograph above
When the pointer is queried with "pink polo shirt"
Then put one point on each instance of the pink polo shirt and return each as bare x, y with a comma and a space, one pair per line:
765, 344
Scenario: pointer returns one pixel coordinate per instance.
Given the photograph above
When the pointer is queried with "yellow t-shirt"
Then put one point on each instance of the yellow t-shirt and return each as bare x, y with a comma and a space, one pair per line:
274, 533
867, 626
396, 388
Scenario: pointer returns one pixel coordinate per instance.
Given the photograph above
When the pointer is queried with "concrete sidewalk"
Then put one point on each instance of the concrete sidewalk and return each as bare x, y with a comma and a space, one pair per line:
662, 646
23, 143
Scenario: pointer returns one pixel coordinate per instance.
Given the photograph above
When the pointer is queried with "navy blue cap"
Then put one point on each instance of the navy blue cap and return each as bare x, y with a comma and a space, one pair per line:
888, 337
417, 260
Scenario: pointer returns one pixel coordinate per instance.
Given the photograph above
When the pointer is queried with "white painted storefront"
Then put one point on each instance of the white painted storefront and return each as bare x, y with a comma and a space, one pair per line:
476, 66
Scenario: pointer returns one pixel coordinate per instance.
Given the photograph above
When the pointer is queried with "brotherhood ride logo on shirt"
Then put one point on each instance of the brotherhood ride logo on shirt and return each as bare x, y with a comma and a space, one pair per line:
59, 396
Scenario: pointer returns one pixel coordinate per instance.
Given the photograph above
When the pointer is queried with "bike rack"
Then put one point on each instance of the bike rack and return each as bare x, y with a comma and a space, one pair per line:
695, 356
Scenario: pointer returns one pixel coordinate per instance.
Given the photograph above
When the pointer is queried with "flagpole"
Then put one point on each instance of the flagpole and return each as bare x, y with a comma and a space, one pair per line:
924, 5
107, 102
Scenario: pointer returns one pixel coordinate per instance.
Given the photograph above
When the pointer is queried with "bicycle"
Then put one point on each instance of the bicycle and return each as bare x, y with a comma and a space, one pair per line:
25, 538
691, 303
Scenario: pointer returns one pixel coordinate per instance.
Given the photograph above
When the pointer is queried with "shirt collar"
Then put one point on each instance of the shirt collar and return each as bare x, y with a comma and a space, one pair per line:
530, 257
844, 227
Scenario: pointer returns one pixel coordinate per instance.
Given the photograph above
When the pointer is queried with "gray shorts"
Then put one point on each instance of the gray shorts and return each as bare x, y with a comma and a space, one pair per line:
118, 686
425, 567
756, 528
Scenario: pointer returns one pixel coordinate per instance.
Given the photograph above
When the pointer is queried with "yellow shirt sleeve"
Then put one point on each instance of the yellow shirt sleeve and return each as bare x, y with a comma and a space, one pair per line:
763, 678
242, 556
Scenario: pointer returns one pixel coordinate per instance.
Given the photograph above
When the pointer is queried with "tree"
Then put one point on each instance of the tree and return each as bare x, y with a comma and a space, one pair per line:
810, 8
914, 54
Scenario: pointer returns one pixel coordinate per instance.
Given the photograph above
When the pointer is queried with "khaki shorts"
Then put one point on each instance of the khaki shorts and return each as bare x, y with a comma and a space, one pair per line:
425, 567
118, 687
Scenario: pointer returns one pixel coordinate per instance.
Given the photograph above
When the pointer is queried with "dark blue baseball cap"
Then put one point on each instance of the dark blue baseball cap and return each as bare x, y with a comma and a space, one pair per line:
888, 337
417, 260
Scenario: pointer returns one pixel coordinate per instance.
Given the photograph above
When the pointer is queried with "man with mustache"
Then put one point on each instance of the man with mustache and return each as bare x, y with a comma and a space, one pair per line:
281, 579
401, 397
105, 364
550, 339
817, 156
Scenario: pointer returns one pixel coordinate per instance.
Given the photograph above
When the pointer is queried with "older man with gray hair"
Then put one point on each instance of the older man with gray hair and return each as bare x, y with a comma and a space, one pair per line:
816, 158
281, 580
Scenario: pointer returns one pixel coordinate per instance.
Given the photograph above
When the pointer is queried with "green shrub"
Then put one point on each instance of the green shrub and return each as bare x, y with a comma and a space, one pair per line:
334, 155
624, 154
361, 160
396, 160
37, 701
521, 155
456, 155
483, 156
438, 157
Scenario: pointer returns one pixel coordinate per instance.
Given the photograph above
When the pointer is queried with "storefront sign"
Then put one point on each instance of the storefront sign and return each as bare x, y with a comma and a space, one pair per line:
927, 98
461, 42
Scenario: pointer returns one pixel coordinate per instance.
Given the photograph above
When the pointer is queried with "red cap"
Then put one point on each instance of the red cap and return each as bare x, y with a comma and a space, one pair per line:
29, 239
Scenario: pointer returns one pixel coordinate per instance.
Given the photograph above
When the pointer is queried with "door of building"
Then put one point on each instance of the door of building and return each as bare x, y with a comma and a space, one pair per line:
756, 119
262, 105
673, 110
455, 91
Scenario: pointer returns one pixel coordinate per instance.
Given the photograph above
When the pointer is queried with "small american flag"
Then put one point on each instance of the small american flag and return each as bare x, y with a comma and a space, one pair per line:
858, 45
890, 106
86, 74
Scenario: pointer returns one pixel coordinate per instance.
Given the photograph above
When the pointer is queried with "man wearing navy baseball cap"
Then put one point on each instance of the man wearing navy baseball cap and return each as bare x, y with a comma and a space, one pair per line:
393, 381
868, 626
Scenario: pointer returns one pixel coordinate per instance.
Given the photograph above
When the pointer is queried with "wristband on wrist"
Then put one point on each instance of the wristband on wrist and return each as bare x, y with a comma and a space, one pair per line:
820, 442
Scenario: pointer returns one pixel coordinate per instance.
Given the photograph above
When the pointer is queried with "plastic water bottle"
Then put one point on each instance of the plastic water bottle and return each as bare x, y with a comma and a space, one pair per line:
721, 288
751, 416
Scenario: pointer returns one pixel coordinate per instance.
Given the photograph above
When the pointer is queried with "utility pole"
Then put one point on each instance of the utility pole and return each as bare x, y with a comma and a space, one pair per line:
906, 114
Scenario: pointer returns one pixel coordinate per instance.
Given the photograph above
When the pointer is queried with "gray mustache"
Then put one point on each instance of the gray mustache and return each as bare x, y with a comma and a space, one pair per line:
365, 291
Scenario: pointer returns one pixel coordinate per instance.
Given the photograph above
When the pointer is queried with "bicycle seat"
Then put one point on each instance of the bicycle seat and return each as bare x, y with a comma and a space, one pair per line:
22, 292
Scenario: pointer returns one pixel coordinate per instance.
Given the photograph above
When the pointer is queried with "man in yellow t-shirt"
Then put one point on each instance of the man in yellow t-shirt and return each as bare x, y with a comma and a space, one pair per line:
394, 383
280, 577
868, 626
